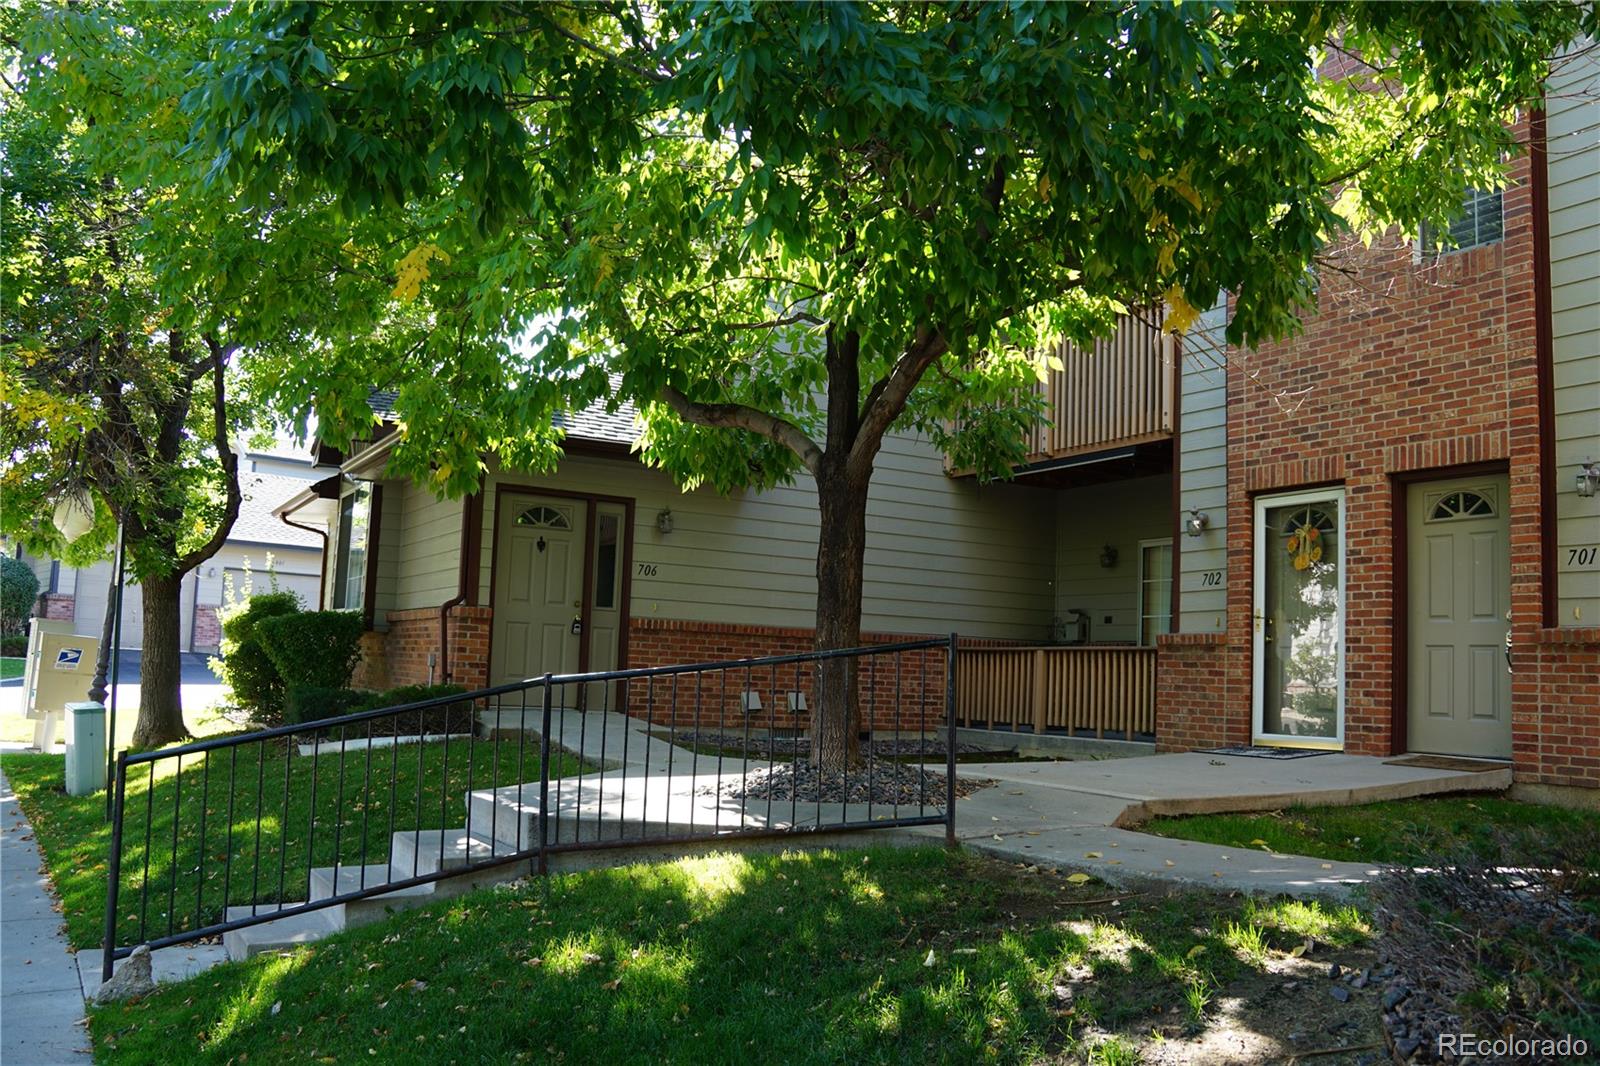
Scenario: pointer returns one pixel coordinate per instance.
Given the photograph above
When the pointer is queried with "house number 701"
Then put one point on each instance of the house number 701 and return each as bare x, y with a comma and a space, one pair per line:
647, 569
1585, 557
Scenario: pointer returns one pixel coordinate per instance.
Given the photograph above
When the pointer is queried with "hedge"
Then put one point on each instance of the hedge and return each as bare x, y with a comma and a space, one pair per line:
245, 667
313, 649
19, 588
312, 703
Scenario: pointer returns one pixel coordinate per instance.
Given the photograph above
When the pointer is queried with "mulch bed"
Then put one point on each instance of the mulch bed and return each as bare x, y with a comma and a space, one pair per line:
766, 746
876, 782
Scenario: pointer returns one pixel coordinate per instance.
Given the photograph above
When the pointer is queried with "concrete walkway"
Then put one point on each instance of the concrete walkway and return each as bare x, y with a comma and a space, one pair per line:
1081, 815
41, 1000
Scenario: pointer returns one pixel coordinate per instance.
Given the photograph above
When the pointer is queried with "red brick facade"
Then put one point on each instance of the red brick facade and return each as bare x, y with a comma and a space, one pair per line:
57, 605
414, 635
207, 628
1409, 369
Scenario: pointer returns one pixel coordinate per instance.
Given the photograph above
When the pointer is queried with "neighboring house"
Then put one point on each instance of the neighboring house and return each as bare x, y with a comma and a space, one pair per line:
258, 537
1322, 543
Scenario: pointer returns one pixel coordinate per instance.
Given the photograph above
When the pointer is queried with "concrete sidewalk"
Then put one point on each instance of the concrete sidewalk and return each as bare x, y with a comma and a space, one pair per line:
1081, 815
41, 1000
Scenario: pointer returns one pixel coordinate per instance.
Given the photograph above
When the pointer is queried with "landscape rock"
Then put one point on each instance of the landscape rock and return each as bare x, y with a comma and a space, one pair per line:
130, 981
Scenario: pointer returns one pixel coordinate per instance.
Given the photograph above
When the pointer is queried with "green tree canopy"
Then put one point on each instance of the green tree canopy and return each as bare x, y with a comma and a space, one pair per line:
783, 229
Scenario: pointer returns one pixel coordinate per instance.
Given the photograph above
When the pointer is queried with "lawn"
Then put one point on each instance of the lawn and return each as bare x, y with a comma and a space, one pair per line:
188, 877
11, 667
203, 721
882, 955
1413, 831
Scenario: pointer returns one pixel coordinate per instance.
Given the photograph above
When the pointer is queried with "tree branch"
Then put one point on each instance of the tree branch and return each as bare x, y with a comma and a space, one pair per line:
740, 416
225, 453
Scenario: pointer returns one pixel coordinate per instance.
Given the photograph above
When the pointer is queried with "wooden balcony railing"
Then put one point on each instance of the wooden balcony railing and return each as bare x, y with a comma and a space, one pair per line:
1109, 691
1118, 393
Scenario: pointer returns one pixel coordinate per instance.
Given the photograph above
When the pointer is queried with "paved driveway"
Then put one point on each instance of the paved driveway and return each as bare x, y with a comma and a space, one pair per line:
194, 670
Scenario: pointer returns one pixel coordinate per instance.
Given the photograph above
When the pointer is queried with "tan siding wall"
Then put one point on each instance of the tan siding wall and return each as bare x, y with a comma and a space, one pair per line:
427, 549
1203, 471
1574, 144
942, 554
391, 530
1121, 514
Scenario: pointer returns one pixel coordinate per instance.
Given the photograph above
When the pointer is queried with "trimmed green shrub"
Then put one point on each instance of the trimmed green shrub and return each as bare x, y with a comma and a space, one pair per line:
310, 703
313, 649
245, 667
14, 645
19, 588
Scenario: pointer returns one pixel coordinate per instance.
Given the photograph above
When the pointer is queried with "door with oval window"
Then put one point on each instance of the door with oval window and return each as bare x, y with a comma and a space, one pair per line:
538, 596
1458, 685
1298, 619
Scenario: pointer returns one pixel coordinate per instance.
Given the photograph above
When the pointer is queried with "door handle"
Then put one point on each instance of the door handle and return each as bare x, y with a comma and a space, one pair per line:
577, 627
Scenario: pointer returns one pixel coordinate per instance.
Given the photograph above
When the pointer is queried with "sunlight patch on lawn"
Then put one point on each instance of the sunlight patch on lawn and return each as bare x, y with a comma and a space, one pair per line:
251, 1004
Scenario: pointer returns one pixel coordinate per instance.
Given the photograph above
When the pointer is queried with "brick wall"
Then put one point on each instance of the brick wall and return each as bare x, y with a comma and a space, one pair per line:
57, 605
207, 628
372, 670
1197, 695
1407, 367
414, 635
912, 681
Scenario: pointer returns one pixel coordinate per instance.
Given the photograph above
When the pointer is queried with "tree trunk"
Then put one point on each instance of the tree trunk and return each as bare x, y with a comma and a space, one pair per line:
841, 556
160, 668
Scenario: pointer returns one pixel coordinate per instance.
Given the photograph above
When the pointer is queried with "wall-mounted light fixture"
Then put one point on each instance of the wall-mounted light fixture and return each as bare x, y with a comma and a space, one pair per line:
1197, 522
1588, 477
1108, 557
664, 520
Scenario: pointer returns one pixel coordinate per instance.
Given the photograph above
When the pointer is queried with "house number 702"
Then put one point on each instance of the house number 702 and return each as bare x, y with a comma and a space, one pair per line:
647, 569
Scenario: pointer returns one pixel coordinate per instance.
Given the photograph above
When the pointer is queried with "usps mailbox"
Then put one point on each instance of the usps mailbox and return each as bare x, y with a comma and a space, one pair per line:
59, 671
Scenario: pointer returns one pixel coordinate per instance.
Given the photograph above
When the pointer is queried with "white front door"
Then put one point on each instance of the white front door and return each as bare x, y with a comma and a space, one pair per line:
1458, 691
538, 604
1298, 621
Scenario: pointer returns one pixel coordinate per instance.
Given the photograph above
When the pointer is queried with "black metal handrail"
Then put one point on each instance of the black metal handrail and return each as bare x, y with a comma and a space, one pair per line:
649, 700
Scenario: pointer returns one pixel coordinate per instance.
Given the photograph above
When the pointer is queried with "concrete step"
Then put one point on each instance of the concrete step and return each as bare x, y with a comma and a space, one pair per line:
279, 934
591, 810
413, 853
358, 912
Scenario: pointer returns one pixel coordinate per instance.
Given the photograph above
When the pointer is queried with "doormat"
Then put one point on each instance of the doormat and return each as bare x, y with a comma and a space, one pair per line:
1250, 752
1447, 762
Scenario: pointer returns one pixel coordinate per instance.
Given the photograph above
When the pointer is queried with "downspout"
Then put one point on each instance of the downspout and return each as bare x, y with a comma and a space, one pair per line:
322, 576
466, 577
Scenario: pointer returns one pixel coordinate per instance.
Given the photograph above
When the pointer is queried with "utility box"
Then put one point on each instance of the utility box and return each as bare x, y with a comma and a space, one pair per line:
59, 671
86, 748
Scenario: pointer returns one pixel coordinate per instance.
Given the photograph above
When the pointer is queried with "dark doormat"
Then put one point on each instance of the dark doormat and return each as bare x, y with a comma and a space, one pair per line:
1447, 762
1252, 752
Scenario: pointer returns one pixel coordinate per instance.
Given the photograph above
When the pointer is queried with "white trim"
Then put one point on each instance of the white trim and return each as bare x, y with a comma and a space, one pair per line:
1336, 495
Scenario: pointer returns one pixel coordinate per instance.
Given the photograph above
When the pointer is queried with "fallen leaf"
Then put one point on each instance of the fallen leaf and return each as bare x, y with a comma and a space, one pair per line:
1169, 862
1258, 842
1079, 879
1327, 866
929, 960
1091, 854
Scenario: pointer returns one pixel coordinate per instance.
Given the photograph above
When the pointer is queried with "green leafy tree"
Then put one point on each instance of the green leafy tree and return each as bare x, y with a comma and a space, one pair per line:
129, 293
784, 230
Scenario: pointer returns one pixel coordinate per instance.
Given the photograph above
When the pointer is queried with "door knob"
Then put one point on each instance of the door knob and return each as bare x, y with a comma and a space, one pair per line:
577, 627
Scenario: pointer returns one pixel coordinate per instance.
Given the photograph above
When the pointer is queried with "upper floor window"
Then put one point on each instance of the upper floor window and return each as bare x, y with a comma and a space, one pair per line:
350, 565
1480, 222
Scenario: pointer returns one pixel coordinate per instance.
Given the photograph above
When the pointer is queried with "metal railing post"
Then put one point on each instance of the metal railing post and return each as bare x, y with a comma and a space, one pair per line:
950, 743
544, 780
120, 789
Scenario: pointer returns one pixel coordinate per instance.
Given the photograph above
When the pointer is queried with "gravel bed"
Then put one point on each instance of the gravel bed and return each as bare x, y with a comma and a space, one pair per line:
764, 746
876, 781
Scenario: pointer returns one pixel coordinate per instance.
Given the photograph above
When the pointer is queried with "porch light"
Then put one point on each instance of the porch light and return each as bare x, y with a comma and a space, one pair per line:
74, 515
1196, 523
664, 520
1588, 477
1108, 557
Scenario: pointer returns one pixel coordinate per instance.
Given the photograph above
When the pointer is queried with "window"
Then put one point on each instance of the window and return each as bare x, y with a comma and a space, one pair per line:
605, 562
1463, 504
543, 517
350, 566
1478, 223
1155, 590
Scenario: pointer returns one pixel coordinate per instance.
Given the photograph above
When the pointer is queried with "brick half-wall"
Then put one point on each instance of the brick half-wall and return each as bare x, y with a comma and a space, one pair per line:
372, 669
1558, 741
57, 605
414, 635
910, 683
1197, 693
207, 628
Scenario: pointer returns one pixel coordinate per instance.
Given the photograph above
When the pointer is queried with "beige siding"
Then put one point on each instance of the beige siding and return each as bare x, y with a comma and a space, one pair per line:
426, 547
1574, 143
1121, 514
391, 531
943, 555
1203, 473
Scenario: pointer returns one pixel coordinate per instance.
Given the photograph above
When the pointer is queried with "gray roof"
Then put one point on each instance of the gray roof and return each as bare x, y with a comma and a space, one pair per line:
592, 423
257, 524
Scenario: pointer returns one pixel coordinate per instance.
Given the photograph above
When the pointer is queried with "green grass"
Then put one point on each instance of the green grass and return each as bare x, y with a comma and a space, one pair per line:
202, 722
818, 957
188, 879
11, 667
1414, 831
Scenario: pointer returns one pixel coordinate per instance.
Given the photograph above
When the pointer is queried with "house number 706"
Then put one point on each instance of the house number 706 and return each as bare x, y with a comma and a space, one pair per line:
647, 569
